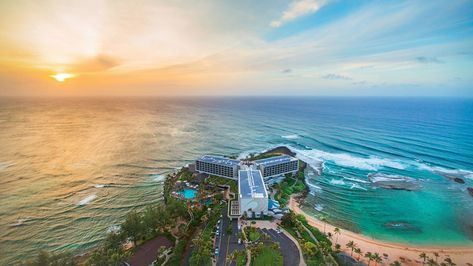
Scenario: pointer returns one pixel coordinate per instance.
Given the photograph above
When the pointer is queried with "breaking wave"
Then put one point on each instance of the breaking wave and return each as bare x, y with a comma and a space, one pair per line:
316, 157
5, 165
394, 181
356, 186
337, 182
87, 200
293, 136
446, 172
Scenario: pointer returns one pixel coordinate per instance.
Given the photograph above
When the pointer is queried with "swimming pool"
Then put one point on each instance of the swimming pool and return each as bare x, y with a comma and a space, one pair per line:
188, 193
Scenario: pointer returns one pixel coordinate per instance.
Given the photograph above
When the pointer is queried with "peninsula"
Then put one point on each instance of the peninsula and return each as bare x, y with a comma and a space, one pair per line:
224, 211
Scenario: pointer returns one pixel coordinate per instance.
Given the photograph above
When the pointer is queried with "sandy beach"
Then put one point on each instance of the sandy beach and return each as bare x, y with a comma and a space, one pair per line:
408, 255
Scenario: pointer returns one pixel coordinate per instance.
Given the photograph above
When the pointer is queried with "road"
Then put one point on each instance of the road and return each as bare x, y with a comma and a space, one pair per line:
289, 250
228, 243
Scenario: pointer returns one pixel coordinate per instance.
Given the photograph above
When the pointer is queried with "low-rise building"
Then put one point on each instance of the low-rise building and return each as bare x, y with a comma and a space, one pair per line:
253, 196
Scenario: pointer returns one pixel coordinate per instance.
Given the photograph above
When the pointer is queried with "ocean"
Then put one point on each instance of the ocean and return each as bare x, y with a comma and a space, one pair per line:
70, 169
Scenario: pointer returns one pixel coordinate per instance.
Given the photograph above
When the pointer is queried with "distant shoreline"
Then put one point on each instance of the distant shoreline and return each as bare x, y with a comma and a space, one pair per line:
461, 255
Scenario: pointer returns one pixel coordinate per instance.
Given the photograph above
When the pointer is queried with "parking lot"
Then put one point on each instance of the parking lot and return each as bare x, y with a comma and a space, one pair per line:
225, 242
289, 250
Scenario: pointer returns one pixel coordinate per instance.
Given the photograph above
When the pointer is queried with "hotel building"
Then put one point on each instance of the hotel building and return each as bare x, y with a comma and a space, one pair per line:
251, 176
276, 166
217, 165
253, 196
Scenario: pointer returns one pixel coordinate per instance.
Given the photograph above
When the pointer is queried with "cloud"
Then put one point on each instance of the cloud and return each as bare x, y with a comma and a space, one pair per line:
336, 77
95, 64
298, 9
286, 71
429, 60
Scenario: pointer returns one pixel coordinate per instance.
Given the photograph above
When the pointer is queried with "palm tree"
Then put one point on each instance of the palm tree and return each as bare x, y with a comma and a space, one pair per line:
432, 262
358, 251
423, 256
377, 259
351, 245
324, 220
369, 256
436, 254
395, 263
337, 232
449, 261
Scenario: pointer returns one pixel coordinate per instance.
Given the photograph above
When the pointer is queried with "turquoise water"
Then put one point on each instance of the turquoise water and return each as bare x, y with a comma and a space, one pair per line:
188, 193
70, 169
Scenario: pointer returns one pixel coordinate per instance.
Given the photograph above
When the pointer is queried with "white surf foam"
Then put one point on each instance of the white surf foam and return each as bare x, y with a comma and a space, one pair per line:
87, 200
356, 186
372, 163
20, 222
445, 171
357, 180
158, 177
293, 136
113, 229
5, 165
385, 178
337, 182
317, 188
319, 207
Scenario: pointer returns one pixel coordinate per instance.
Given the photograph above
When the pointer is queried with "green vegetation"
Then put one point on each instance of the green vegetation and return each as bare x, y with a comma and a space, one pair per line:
288, 187
251, 233
316, 249
291, 185
138, 227
241, 258
217, 180
202, 253
254, 157
266, 255
51, 259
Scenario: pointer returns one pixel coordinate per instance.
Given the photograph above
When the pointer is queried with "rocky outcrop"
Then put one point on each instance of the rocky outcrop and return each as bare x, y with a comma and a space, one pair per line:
280, 150
402, 225
470, 190
459, 180
394, 182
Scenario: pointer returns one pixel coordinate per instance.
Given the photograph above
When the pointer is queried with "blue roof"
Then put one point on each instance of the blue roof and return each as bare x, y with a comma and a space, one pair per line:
275, 160
218, 160
251, 184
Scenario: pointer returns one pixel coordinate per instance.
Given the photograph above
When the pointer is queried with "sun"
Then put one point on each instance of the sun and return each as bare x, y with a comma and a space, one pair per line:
61, 77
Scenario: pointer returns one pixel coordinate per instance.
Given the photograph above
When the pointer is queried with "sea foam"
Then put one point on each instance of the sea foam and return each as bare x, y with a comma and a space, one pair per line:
446, 172
293, 136
87, 200
337, 182
314, 156
5, 165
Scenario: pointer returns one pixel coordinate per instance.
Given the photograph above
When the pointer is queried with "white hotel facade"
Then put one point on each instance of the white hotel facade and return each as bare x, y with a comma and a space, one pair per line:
251, 177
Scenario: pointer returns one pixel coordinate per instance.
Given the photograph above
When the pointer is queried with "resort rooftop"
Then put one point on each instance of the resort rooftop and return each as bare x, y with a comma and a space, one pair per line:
274, 160
218, 160
251, 184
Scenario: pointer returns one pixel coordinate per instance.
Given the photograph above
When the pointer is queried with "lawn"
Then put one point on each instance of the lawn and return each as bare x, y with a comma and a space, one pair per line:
217, 180
241, 259
268, 257
254, 235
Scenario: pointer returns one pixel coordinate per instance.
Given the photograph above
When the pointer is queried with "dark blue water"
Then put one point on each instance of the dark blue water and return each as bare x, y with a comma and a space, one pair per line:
71, 168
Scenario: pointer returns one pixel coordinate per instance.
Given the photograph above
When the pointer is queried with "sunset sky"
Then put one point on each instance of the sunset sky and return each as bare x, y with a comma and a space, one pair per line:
302, 47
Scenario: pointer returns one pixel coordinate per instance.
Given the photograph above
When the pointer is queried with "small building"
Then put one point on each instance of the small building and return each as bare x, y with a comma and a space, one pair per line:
278, 165
253, 196
217, 165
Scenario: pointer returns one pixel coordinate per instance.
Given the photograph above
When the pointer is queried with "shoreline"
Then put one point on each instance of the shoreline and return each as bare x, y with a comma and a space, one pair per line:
461, 255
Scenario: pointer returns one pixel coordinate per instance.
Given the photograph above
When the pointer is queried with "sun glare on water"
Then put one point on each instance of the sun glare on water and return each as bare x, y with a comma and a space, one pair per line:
61, 77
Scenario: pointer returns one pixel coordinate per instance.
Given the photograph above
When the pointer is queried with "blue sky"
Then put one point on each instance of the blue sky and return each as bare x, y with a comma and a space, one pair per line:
300, 47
